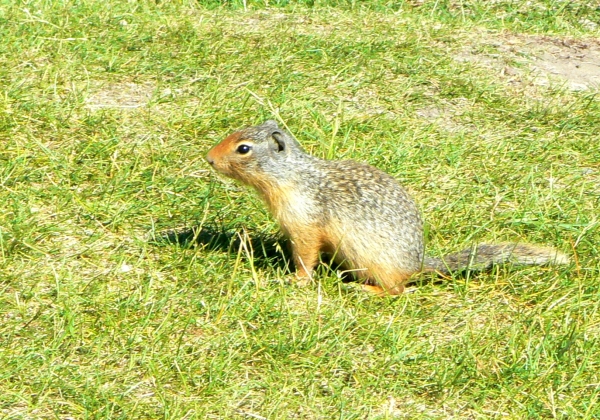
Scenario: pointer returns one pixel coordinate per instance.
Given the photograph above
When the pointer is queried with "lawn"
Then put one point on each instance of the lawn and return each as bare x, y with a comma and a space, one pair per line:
137, 284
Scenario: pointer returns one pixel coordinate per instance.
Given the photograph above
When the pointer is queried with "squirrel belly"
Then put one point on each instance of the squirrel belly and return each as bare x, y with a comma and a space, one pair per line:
357, 213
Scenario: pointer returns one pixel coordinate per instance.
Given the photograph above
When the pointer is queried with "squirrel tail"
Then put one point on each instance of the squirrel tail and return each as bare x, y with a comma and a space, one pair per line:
484, 256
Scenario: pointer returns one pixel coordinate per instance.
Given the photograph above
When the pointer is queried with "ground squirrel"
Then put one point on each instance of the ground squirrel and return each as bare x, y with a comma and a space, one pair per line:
353, 211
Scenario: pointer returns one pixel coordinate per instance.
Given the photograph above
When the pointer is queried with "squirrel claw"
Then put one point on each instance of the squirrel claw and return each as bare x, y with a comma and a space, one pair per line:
303, 281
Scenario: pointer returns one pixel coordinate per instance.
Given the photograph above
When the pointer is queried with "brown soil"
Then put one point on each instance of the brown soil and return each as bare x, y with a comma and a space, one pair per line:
545, 60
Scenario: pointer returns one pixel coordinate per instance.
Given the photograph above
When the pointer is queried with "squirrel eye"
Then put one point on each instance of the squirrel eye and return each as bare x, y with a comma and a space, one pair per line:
243, 149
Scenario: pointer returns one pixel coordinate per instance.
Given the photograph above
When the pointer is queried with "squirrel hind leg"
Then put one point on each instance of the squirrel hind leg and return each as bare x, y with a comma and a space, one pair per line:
385, 283
381, 292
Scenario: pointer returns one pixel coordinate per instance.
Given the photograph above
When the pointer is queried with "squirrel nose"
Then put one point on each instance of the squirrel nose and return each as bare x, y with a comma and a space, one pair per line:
210, 160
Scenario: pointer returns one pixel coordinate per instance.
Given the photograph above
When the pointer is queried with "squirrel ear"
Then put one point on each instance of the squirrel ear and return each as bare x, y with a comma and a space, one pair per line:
271, 123
279, 145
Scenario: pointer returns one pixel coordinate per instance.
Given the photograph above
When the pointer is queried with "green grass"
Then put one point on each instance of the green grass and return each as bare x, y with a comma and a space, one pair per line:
106, 112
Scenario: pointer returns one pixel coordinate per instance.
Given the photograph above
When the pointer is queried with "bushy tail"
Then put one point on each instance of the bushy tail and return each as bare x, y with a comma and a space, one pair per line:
484, 256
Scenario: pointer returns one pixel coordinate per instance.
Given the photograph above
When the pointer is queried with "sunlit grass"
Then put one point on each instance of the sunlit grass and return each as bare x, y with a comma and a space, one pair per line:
106, 112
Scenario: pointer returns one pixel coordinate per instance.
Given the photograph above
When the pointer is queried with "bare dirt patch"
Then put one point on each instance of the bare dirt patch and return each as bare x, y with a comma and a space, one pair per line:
578, 63
446, 114
124, 95
543, 60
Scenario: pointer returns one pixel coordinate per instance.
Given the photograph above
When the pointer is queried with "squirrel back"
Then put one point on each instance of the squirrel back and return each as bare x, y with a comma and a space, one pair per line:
357, 213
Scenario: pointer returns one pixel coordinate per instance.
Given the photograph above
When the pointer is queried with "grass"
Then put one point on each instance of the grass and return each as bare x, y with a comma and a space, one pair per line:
107, 110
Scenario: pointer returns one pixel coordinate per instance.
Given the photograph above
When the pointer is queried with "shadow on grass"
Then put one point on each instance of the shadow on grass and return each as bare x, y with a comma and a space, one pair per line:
273, 251
266, 250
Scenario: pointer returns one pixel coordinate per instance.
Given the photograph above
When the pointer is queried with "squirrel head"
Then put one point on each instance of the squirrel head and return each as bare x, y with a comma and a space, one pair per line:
256, 154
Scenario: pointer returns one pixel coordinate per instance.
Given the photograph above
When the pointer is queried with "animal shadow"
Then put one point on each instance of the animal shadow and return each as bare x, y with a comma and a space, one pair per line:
266, 250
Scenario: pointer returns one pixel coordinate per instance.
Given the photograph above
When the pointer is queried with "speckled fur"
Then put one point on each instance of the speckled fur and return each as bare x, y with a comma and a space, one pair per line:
353, 211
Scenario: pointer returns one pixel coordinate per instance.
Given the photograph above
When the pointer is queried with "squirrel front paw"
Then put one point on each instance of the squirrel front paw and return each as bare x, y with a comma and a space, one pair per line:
301, 279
